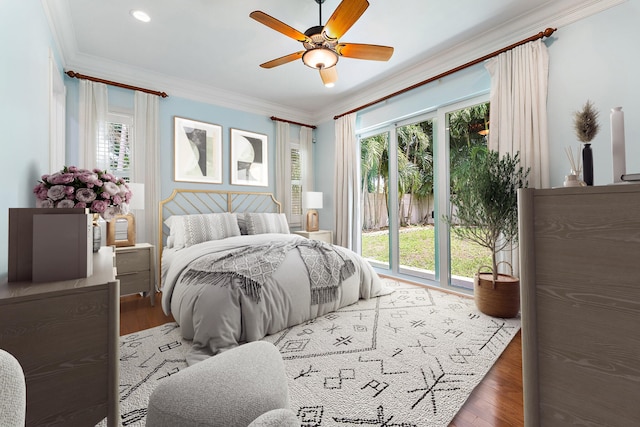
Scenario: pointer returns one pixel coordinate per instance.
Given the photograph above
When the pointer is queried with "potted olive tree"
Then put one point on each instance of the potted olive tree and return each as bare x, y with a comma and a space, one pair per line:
484, 204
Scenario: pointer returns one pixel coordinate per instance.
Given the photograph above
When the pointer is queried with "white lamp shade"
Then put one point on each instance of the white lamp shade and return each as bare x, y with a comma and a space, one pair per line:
137, 199
312, 200
320, 57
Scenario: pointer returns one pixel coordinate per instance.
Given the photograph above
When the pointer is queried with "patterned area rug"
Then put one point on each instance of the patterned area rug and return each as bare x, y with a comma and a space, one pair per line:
410, 358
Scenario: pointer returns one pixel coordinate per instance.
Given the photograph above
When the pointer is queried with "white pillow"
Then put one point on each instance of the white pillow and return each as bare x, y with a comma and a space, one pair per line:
171, 239
188, 230
261, 223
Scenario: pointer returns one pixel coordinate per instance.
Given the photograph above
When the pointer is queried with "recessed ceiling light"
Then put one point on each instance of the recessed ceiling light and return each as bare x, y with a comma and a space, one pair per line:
140, 15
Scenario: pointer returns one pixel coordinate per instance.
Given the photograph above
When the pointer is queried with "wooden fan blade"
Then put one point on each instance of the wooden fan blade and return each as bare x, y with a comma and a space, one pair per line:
345, 15
283, 60
364, 51
329, 76
279, 26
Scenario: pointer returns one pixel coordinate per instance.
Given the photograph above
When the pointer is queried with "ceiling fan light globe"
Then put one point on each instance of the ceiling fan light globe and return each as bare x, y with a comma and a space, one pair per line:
319, 58
329, 76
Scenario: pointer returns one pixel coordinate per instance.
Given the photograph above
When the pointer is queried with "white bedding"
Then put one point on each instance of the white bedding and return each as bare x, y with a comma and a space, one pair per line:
220, 317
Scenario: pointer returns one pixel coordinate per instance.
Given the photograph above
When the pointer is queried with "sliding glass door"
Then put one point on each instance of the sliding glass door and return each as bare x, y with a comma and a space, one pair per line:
374, 189
466, 132
398, 232
414, 201
406, 179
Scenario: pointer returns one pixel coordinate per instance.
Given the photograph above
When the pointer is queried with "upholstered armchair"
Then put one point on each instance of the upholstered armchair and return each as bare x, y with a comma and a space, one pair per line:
13, 392
244, 386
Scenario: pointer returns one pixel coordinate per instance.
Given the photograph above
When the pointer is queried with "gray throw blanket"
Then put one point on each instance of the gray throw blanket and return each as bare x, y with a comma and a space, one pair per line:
250, 267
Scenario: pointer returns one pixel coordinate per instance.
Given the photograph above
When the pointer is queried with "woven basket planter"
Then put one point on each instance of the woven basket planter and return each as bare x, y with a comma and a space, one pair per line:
498, 299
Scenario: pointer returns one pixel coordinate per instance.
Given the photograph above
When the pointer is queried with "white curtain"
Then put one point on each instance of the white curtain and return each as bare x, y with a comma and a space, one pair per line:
518, 115
283, 168
92, 117
346, 186
146, 163
306, 152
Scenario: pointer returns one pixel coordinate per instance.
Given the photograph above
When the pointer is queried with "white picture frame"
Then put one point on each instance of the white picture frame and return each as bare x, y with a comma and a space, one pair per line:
197, 151
249, 158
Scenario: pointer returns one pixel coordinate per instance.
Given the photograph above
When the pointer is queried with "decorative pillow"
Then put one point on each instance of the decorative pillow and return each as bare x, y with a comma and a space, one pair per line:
172, 223
261, 223
242, 224
189, 230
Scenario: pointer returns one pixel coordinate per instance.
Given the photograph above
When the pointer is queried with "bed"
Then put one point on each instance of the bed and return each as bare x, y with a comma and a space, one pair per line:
231, 271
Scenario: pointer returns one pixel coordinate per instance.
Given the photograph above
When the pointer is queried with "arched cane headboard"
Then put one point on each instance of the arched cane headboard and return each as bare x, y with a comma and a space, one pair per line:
189, 202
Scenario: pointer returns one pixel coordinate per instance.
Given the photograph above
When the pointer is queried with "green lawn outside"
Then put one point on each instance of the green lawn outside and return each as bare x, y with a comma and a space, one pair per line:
417, 250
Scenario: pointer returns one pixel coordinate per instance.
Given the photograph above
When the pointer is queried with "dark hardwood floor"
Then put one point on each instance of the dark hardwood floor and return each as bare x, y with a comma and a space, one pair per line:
496, 402
137, 314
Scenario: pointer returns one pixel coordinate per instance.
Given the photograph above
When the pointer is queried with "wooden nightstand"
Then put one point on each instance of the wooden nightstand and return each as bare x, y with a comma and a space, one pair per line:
322, 235
136, 270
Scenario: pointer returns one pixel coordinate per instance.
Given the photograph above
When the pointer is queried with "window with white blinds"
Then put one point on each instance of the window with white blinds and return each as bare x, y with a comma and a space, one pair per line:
296, 185
113, 153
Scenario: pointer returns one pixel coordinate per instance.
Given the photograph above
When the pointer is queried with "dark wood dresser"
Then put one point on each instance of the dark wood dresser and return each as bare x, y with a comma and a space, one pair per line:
65, 335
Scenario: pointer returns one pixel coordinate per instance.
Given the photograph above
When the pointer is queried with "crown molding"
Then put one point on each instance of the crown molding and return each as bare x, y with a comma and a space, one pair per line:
173, 86
58, 15
59, 18
584, 10
482, 44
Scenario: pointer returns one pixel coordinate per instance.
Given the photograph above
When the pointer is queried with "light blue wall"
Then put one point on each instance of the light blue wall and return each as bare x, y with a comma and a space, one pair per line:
595, 59
228, 119
24, 107
324, 161
465, 84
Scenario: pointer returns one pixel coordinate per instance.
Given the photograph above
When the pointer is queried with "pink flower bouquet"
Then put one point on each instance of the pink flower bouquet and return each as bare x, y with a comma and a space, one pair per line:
73, 187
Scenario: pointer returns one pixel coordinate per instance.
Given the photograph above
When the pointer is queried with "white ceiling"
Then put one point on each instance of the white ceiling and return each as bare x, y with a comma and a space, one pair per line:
210, 50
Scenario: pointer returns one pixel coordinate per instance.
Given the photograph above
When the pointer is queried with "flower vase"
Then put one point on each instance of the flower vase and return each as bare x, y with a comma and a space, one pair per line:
587, 164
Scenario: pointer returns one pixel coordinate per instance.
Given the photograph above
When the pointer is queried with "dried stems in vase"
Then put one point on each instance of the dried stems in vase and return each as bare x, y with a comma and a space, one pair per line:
585, 123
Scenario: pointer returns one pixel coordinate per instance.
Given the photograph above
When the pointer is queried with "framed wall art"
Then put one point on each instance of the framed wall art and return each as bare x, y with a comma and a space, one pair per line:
198, 151
249, 158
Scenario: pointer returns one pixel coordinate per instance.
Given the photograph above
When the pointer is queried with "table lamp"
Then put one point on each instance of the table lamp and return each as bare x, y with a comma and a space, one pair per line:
312, 200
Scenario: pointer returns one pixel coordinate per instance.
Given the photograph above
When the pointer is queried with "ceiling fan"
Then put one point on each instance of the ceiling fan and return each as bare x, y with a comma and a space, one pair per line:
322, 48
